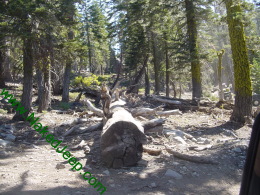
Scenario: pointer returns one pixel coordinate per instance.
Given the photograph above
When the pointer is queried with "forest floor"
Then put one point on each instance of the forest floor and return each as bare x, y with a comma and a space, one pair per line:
30, 166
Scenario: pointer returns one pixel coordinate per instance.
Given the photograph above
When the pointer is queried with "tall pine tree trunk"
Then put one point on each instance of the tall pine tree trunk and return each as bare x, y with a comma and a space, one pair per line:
45, 95
2, 76
243, 88
221, 92
66, 81
156, 66
28, 76
193, 47
167, 68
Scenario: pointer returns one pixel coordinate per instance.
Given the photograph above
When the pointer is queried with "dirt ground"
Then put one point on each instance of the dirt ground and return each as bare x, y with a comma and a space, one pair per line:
30, 166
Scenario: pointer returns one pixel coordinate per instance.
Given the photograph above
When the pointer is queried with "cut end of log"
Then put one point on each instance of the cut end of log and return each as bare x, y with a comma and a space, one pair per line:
122, 141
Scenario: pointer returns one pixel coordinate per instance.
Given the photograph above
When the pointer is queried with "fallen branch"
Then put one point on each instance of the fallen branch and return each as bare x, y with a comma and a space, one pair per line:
152, 123
79, 130
145, 111
152, 151
195, 159
157, 129
95, 127
169, 112
93, 108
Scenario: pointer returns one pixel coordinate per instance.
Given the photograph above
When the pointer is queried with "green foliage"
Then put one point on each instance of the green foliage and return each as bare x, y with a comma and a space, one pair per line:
256, 75
90, 81
64, 105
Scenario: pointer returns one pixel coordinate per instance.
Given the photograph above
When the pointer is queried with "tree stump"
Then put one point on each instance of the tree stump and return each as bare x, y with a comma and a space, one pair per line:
122, 140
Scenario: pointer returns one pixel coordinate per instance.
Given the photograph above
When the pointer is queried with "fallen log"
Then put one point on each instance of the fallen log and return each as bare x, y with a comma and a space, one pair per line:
167, 101
122, 140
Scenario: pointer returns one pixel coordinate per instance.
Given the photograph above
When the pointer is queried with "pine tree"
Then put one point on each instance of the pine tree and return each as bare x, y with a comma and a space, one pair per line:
243, 88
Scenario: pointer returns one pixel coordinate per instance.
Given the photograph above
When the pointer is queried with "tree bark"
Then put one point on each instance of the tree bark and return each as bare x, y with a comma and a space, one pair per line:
2, 76
243, 88
156, 66
221, 92
46, 92
122, 140
193, 47
66, 81
28, 77
167, 68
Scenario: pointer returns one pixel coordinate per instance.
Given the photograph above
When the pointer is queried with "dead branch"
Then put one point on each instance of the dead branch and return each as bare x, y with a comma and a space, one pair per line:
152, 151
93, 108
145, 111
195, 159
152, 123
169, 112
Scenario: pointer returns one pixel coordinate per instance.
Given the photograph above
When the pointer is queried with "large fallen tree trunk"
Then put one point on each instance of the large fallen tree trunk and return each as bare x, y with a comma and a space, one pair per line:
122, 139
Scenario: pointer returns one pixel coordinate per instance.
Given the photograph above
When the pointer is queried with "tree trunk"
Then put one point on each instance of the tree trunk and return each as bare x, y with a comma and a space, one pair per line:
156, 66
139, 76
28, 77
147, 82
66, 83
66, 80
89, 49
221, 92
39, 77
122, 140
46, 92
193, 47
243, 88
2, 76
167, 69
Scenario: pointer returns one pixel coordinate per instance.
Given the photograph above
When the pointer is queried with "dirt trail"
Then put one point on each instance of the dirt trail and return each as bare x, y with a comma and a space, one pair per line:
31, 167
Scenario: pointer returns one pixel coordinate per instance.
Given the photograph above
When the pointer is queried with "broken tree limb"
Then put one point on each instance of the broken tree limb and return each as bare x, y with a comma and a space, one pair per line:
122, 140
95, 127
145, 111
157, 129
166, 101
152, 151
152, 123
195, 159
78, 129
93, 108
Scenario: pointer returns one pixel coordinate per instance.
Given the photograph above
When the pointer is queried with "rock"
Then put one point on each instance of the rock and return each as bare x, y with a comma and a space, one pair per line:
201, 140
237, 150
4, 142
60, 166
142, 163
106, 172
10, 137
195, 174
153, 185
112, 185
174, 174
